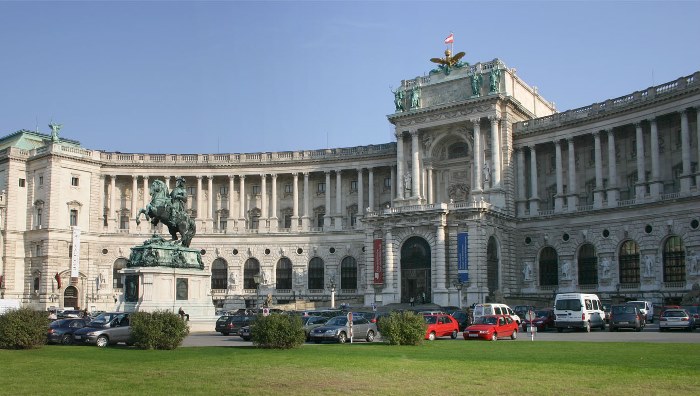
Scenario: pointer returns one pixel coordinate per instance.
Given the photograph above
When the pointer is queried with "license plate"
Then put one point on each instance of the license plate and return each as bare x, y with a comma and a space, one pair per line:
624, 322
473, 335
77, 337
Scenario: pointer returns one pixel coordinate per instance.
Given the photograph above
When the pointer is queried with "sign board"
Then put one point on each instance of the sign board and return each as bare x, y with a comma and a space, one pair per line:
75, 254
463, 256
378, 268
350, 325
266, 311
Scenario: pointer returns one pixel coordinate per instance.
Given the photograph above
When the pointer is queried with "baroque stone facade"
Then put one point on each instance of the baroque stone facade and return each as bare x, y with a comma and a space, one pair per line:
487, 194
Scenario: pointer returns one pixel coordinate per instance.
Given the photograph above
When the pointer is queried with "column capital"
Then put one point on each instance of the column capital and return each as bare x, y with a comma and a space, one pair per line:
475, 121
306, 174
327, 172
638, 123
274, 175
295, 174
596, 134
610, 131
263, 175
531, 146
570, 140
494, 118
199, 177
242, 177
413, 133
556, 142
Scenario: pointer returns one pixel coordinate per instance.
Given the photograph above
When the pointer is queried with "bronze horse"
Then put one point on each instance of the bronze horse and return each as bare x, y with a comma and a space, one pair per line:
161, 209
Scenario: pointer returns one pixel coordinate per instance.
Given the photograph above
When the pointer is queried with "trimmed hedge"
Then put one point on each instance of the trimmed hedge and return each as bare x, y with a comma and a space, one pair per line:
157, 330
403, 328
277, 331
23, 328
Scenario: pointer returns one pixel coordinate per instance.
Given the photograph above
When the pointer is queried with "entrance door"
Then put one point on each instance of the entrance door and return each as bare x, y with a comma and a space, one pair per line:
415, 271
70, 297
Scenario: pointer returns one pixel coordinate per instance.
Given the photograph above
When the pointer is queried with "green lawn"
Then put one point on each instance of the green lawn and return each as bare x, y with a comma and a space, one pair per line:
443, 367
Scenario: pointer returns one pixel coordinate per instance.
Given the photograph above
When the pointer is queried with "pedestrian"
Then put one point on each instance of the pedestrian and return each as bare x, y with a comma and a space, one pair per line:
183, 315
412, 301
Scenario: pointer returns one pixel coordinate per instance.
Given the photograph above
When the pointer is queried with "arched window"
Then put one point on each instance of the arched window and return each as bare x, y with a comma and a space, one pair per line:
119, 264
549, 267
674, 260
219, 274
587, 265
316, 273
250, 269
348, 273
457, 150
629, 262
284, 273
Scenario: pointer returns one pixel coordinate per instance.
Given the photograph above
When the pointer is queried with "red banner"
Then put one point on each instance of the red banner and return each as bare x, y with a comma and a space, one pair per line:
378, 268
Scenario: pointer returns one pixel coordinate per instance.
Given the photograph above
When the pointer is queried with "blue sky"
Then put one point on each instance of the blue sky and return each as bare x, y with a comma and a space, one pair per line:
244, 76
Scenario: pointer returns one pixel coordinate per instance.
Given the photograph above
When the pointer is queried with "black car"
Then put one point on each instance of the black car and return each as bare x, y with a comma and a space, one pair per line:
231, 324
61, 331
463, 319
626, 316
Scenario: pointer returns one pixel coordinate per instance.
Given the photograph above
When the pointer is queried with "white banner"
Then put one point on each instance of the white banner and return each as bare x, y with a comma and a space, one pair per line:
75, 259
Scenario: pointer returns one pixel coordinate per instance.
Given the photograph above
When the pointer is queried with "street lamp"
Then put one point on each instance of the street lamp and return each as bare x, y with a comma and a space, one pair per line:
458, 285
331, 286
257, 278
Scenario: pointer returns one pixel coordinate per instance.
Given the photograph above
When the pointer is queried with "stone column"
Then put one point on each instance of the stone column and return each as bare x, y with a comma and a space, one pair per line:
415, 154
146, 191
241, 204
198, 208
685, 153
477, 185
429, 171
370, 188
656, 186
360, 194
263, 202
598, 192
572, 196
306, 220
394, 180
697, 133
399, 166
210, 202
103, 203
338, 201
389, 275
327, 214
495, 153
522, 188
274, 223
613, 191
295, 201
167, 179
134, 190
441, 264
534, 198
230, 222
113, 204
559, 199
640, 188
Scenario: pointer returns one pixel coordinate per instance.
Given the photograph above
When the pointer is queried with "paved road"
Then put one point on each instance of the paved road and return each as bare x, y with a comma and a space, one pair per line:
649, 334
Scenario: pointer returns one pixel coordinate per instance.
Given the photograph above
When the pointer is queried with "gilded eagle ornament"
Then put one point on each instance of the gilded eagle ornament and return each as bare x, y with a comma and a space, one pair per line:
448, 62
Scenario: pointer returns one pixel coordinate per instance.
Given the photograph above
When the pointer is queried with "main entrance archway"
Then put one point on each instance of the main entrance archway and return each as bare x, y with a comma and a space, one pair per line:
415, 270
70, 297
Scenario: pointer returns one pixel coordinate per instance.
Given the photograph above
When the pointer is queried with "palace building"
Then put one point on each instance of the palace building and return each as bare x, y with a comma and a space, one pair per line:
487, 194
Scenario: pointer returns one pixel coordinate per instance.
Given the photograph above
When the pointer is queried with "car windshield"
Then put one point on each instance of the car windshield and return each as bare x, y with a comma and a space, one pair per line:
623, 309
674, 314
59, 323
638, 304
430, 319
541, 314
337, 321
569, 305
490, 320
103, 318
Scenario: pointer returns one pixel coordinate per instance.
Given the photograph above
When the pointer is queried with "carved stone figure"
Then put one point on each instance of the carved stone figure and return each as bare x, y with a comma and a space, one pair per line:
494, 79
527, 272
415, 97
648, 266
299, 276
54, 131
265, 277
692, 260
605, 268
233, 280
476, 84
407, 181
487, 174
565, 269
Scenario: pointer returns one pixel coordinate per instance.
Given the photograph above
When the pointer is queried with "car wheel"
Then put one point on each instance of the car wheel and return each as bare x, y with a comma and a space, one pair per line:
494, 337
224, 333
102, 341
587, 327
514, 335
560, 329
431, 336
67, 339
454, 334
370, 336
638, 329
661, 329
342, 338
602, 326
317, 341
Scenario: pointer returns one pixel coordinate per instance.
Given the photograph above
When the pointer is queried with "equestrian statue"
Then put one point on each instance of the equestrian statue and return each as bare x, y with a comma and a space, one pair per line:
169, 209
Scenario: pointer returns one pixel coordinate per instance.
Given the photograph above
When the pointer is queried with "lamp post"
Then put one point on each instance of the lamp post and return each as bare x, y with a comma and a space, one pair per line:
331, 286
458, 285
257, 278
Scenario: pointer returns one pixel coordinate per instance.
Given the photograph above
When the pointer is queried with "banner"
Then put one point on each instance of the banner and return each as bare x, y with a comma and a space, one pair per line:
463, 256
378, 269
75, 259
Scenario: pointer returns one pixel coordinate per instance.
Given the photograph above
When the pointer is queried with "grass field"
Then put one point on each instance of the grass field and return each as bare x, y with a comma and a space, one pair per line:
443, 367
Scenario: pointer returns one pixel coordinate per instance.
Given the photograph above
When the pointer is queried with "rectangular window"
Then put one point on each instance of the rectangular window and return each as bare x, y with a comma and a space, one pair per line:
38, 250
38, 217
223, 190
124, 222
288, 189
321, 188
353, 186
73, 217
191, 191
74, 181
254, 223
387, 183
21, 182
319, 220
287, 221
256, 190
41, 180
223, 223
105, 217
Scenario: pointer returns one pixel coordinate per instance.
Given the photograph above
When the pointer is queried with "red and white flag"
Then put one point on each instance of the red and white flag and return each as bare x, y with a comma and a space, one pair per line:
450, 39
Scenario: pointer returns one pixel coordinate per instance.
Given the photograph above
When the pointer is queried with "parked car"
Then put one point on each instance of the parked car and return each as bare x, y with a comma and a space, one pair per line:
521, 310
337, 329
693, 310
491, 327
646, 308
107, 328
544, 320
440, 325
626, 316
494, 309
676, 319
245, 333
578, 311
71, 313
661, 310
61, 330
311, 322
231, 324
463, 319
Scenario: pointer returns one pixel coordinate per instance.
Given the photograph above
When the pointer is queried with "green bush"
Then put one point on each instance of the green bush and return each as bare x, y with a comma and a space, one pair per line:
23, 328
403, 328
157, 330
278, 331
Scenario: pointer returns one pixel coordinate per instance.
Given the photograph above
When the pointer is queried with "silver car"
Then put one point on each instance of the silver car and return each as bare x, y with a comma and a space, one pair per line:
337, 329
676, 319
107, 328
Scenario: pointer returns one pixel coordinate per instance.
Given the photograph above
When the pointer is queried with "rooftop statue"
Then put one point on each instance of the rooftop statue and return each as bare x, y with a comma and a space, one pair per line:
169, 209
398, 99
448, 62
54, 131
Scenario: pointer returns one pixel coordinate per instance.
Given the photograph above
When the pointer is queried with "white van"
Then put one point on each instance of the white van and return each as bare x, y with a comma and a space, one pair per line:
646, 308
578, 310
494, 309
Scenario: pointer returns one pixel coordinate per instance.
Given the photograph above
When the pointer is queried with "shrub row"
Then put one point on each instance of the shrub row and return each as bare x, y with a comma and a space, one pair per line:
23, 328
278, 331
403, 328
157, 330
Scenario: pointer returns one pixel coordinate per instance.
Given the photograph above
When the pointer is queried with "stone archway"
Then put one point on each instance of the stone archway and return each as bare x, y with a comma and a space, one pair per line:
415, 270
70, 297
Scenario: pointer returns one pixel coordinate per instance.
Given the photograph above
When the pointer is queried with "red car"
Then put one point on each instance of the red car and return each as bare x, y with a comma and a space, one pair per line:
440, 325
544, 319
490, 327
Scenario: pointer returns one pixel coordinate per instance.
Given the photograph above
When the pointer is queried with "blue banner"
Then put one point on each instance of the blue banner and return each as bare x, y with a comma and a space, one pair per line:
463, 256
